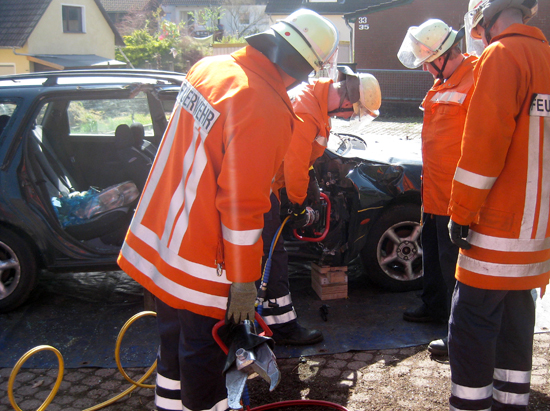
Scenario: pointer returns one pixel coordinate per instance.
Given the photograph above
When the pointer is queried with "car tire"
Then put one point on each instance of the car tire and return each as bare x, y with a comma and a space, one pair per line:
392, 255
18, 272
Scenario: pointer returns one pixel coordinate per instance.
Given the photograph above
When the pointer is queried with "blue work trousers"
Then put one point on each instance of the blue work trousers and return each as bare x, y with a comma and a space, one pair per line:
278, 310
490, 348
190, 362
439, 264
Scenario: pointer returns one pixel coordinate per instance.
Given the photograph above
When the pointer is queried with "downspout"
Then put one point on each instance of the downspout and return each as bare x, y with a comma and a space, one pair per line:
351, 41
20, 54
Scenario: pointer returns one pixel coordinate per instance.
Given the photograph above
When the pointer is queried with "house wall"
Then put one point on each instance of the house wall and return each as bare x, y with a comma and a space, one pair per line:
257, 13
377, 47
7, 58
48, 36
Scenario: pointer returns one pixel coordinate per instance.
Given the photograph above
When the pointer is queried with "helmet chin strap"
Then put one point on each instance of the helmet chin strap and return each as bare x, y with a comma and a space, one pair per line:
340, 110
442, 69
489, 26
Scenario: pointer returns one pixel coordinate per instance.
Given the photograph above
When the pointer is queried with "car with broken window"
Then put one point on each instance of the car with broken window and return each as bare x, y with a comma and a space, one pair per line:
76, 148
75, 151
370, 215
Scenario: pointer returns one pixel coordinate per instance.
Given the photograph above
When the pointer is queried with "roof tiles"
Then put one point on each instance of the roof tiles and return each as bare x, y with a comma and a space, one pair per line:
18, 19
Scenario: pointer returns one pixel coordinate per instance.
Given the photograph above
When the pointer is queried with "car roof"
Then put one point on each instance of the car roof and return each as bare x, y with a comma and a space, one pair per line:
93, 77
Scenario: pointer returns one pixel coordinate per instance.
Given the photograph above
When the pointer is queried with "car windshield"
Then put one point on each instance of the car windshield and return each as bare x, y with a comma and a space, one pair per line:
346, 145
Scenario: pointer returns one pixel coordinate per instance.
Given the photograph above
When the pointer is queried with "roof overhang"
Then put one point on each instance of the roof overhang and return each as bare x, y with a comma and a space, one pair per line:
74, 61
383, 5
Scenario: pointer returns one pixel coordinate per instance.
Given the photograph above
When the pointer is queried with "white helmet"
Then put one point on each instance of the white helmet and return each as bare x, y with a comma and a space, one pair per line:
474, 44
427, 42
301, 43
363, 91
489, 9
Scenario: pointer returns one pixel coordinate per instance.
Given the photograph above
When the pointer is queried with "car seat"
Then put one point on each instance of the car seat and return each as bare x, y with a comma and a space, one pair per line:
56, 184
135, 164
138, 135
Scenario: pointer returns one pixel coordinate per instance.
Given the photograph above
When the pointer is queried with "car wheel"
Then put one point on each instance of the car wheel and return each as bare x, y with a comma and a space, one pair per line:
17, 271
392, 255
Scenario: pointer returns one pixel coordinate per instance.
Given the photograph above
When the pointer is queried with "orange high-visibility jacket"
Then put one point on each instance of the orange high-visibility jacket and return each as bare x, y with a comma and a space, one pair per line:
502, 184
198, 225
445, 108
309, 139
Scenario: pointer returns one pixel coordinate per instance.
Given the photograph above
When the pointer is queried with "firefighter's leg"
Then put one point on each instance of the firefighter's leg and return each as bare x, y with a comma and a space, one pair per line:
278, 311
514, 352
448, 255
473, 331
168, 383
277, 308
433, 306
190, 363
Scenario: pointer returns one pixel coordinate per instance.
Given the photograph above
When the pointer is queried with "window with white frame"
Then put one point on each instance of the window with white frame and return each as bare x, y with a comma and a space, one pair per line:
244, 18
73, 19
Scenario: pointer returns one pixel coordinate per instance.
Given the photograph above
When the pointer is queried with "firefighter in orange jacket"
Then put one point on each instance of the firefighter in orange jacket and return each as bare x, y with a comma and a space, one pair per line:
500, 211
445, 107
354, 95
195, 240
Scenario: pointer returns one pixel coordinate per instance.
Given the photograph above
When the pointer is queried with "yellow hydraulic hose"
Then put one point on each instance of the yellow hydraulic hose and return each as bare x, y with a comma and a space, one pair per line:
33, 351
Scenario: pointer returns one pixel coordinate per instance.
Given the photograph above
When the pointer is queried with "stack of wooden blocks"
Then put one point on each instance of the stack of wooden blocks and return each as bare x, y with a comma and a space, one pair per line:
330, 283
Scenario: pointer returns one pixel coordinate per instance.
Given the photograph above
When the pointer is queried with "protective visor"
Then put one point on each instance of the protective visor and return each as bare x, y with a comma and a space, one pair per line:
413, 53
474, 44
363, 115
330, 67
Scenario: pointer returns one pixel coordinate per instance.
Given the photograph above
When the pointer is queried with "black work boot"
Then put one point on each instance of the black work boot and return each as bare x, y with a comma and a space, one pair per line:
294, 334
420, 315
439, 347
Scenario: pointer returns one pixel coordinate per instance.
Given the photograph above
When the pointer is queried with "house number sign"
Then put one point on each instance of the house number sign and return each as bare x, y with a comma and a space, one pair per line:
362, 23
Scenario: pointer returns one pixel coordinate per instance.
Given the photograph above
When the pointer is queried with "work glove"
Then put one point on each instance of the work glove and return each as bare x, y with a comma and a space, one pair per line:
458, 234
298, 216
241, 302
313, 190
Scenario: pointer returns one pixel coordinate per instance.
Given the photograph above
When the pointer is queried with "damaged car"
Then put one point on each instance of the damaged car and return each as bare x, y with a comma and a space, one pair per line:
372, 213
76, 148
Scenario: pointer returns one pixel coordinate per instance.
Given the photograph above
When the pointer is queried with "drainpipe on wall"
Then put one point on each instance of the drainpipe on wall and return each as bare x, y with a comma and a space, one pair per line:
351, 41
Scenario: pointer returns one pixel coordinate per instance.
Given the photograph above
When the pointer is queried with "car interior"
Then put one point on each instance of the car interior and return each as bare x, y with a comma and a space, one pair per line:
70, 172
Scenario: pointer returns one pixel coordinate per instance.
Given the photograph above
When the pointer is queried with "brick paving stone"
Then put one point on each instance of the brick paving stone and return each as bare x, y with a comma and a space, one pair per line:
356, 365
363, 356
330, 372
336, 363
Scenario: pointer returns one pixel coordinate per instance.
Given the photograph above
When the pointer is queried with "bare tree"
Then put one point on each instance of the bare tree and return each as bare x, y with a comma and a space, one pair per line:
139, 18
243, 18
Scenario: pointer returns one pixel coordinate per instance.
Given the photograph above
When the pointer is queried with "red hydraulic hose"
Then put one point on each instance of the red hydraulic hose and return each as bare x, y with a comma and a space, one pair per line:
327, 225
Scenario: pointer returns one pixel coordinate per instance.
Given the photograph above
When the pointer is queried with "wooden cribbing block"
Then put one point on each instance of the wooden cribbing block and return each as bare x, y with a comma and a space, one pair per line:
330, 283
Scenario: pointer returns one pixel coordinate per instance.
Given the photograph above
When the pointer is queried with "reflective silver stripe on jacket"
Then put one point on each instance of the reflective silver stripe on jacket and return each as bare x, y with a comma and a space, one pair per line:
449, 97
508, 244
242, 237
538, 179
474, 180
503, 270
